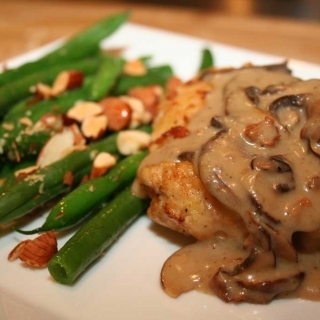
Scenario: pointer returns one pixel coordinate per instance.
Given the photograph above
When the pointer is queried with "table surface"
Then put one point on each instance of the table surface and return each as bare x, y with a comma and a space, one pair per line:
28, 24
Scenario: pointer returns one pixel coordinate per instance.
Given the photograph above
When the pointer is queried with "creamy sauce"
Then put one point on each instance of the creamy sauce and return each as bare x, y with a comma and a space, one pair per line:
259, 158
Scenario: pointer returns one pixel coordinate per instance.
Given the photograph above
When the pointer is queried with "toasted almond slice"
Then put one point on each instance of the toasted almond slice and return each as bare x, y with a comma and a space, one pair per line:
52, 121
39, 251
2, 181
85, 178
131, 141
16, 251
134, 68
56, 147
94, 127
78, 147
149, 96
25, 121
43, 91
9, 126
139, 114
68, 178
49, 121
79, 139
83, 110
22, 173
118, 113
101, 164
67, 80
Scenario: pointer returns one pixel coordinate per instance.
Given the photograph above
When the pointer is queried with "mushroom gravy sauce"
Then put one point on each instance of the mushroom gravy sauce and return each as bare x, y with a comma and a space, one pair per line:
255, 145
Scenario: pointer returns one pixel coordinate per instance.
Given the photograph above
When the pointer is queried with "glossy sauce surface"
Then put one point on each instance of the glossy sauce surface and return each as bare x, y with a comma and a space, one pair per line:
255, 149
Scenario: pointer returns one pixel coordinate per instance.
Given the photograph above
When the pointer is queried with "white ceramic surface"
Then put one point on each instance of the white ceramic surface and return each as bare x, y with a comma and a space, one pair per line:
124, 283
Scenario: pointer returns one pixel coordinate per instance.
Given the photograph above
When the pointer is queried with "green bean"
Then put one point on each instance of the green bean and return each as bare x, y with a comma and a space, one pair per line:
8, 170
95, 236
19, 89
79, 46
25, 145
35, 110
207, 60
108, 72
20, 140
89, 196
155, 75
49, 193
18, 109
37, 188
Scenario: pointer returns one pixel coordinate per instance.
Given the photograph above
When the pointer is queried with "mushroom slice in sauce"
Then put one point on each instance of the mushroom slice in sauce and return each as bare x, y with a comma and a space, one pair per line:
253, 93
255, 280
286, 109
311, 132
231, 289
275, 172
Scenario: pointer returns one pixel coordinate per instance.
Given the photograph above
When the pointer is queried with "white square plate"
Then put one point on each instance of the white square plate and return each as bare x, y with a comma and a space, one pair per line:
124, 283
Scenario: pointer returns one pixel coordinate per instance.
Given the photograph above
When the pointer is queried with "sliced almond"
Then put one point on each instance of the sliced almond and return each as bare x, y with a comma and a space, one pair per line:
68, 178
9, 126
52, 121
79, 139
78, 147
16, 251
2, 181
118, 113
139, 114
149, 96
43, 91
131, 141
55, 147
94, 127
85, 178
39, 251
49, 121
134, 68
22, 173
101, 164
25, 121
67, 80
83, 110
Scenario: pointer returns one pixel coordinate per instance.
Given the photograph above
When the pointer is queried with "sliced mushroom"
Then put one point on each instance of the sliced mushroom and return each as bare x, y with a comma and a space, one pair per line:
268, 234
307, 242
273, 89
186, 156
216, 123
231, 290
253, 93
211, 175
311, 132
286, 109
276, 172
250, 281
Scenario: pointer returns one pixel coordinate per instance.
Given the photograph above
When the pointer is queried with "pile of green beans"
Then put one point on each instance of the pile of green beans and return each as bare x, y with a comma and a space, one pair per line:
108, 200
